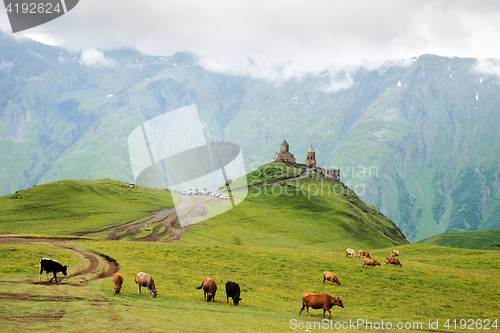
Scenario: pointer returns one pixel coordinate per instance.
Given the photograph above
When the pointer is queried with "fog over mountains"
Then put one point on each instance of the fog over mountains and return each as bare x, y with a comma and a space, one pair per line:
419, 139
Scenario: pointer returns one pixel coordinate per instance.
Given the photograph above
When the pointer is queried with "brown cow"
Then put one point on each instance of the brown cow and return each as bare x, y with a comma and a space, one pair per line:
320, 301
394, 261
146, 280
364, 254
370, 262
330, 277
350, 252
209, 288
118, 281
395, 253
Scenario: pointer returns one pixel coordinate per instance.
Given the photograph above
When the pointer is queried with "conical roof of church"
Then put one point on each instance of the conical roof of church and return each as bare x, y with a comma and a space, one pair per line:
310, 150
284, 143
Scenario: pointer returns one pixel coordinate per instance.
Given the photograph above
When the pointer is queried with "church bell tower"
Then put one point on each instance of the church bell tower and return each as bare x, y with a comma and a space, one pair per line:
311, 157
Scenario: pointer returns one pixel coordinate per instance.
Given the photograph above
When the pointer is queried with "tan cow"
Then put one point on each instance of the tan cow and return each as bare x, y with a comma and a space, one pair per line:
330, 277
320, 301
350, 252
117, 281
370, 262
364, 254
394, 261
209, 288
146, 280
395, 253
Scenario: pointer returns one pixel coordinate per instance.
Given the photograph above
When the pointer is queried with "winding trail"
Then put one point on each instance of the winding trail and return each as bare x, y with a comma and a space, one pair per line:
165, 225
92, 266
190, 207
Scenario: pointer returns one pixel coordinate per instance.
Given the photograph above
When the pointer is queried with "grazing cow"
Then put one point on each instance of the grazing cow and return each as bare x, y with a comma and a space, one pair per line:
330, 277
146, 280
370, 262
394, 261
233, 291
49, 265
364, 254
350, 252
395, 253
320, 301
117, 281
209, 288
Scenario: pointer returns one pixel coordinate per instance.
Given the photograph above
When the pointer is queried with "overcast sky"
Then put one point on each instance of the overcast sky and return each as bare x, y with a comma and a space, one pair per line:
280, 39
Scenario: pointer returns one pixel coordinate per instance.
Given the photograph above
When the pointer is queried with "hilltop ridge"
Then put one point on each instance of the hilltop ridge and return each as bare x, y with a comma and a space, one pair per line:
286, 207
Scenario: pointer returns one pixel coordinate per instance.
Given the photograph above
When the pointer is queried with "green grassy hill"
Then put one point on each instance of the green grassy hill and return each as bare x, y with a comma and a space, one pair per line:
69, 207
311, 212
276, 244
485, 240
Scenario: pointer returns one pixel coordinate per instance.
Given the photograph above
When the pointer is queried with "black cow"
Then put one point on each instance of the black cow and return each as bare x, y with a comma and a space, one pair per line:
233, 291
49, 265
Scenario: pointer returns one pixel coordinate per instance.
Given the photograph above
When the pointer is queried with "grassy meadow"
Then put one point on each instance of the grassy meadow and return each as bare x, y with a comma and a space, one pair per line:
276, 244
435, 283
481, 239
73, 206
310, 213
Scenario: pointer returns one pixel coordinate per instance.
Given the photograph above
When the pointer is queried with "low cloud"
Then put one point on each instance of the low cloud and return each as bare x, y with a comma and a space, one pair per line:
277, 40
488, 67
6, 66
337, 83
94, 58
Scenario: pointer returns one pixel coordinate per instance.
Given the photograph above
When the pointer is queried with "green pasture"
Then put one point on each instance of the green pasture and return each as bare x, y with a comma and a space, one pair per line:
276, 244
435, 283
309, 214
73, 206
481, 239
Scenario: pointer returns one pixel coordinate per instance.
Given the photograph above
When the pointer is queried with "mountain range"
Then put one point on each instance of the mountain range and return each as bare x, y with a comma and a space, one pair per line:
417, 139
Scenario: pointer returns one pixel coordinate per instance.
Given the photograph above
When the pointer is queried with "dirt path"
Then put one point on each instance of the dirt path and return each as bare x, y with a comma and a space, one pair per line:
99, 266
190, 207
95, 265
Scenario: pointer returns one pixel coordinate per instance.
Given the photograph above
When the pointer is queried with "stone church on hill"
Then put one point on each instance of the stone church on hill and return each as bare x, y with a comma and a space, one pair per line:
285, 156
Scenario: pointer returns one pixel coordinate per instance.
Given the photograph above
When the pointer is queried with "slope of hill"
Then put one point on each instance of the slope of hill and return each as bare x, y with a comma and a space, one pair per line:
418, 139
69, 207
283, 211
484, 240
306, 213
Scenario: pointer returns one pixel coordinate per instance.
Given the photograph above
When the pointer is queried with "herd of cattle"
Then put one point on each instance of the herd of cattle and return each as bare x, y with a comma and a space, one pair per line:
368, 261
209, 286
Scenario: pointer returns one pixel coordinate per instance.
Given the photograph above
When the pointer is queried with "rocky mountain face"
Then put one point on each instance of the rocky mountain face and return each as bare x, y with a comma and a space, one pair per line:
418, 141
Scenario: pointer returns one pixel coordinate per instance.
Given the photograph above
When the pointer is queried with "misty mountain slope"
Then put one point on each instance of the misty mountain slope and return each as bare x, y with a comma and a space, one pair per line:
420, 142
416, 141
440, 150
